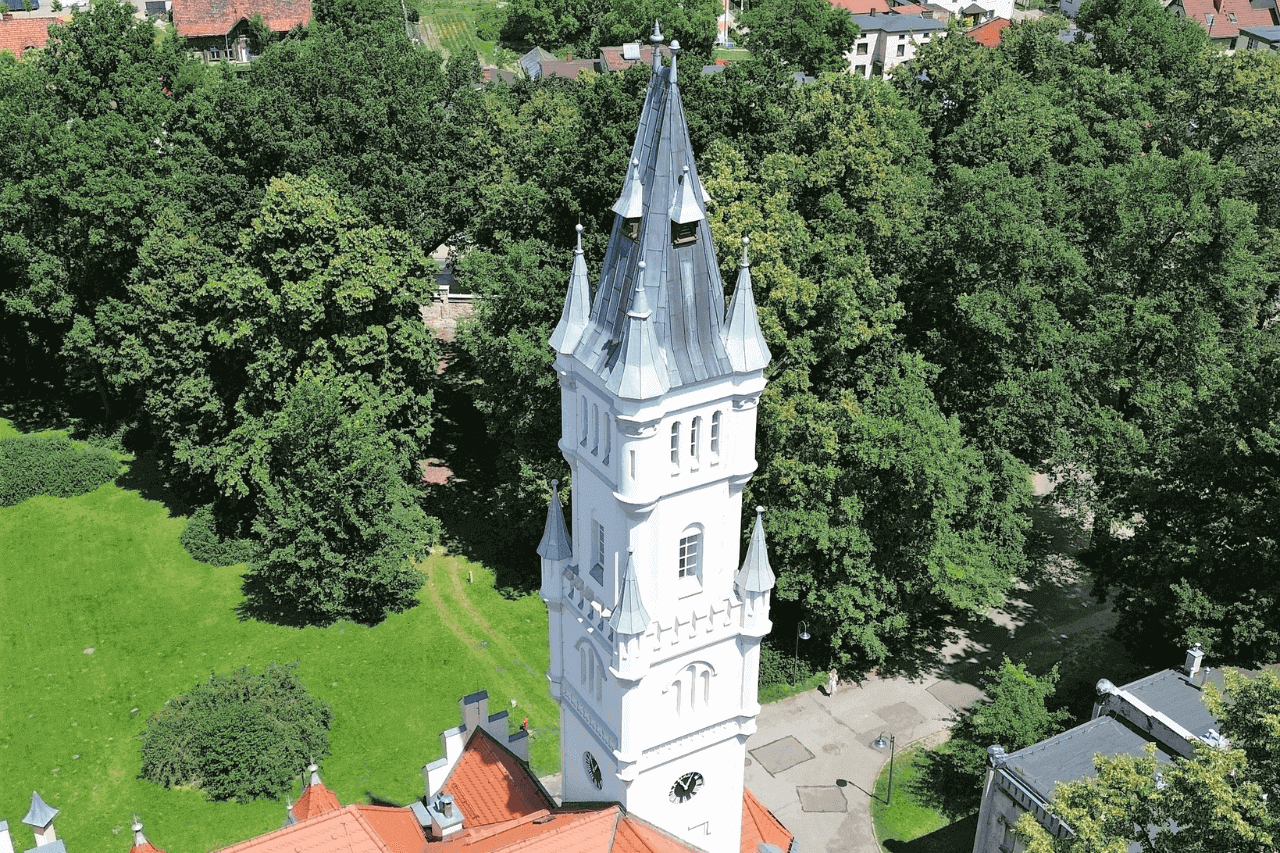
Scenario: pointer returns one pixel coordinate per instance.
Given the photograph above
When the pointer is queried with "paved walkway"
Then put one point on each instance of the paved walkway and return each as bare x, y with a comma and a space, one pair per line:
811, 760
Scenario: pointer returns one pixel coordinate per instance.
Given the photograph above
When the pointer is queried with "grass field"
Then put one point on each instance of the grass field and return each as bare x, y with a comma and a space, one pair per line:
104, 616
451, 27
909, 826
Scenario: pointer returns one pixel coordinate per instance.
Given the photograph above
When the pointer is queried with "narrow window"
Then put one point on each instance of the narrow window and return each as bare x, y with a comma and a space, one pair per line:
599, 542
677, 685
582, 656
695, 429
608, 437
675, 446
715, 438
902, 50
585, 417
690, 546
706, 687
595, 429
633, 464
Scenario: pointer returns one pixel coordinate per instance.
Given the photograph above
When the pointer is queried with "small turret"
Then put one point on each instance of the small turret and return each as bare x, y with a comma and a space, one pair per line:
556, 548
638, 370
577, 305
630, 618
40, 818
140, 842
743, 341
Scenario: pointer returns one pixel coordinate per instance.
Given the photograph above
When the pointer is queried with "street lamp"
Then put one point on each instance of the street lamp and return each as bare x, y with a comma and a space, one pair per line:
881, 743
802, 633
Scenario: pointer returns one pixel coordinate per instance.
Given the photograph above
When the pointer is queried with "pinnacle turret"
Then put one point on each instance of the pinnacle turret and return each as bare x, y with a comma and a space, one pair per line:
577, 305
756, 575
638, 370
743, 340
630, 617
555, 544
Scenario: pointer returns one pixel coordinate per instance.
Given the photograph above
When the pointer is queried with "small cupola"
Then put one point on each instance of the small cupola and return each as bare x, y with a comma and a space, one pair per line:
40, 818
630, 205
685, 211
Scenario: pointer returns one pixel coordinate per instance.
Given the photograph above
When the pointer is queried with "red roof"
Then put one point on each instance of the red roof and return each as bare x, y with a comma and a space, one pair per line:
612, 59
1223, 11
344, 831
19, 34
396, 826
316, 799
198, 18
759, 826
863, 7
146, 847
490, 785
990, 33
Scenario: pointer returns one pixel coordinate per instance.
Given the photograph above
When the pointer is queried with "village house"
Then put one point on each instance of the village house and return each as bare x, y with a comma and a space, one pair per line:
1266, 39
1222, 19
18, 35
219, 29
887, 41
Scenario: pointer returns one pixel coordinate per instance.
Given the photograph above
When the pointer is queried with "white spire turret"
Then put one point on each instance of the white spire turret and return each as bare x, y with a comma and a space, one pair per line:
577, 304
743, 340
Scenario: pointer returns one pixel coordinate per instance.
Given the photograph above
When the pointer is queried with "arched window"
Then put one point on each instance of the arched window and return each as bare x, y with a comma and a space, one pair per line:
689, 564
595, 429
695, 433
715, 438
608, 438
593, 670
691, 689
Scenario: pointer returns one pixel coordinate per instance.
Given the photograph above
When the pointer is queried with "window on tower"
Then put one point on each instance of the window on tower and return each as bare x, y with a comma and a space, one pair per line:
675, 448
715, 438
585, 417
695, 434
608, 438
689, 563
597, 546
595, 429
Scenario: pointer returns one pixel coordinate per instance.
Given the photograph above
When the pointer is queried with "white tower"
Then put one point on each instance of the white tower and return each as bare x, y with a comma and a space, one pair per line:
655, 621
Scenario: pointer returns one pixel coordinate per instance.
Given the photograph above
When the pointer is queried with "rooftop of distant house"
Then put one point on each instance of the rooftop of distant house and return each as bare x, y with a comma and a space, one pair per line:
877, 7
898, 23
623, 56
1224, 18
1269, 34
203, 18
18, 35
990, 33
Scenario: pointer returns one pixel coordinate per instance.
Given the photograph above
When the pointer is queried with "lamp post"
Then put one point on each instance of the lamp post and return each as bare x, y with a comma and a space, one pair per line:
881, 743
802, 633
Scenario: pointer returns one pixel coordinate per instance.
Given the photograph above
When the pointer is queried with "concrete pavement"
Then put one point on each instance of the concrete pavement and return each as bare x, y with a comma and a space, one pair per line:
811, 760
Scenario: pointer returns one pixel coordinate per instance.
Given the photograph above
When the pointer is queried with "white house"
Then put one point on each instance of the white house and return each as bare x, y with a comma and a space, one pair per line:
887, 41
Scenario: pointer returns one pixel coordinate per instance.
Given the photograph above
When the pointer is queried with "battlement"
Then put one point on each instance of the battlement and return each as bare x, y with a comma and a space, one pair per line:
474, 710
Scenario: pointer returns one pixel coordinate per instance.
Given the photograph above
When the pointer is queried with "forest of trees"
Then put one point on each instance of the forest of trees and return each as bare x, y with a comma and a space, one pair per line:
1044, 256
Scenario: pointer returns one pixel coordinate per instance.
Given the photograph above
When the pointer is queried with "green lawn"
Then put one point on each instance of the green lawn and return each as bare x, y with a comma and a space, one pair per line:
106, 571
450, 26
909, 826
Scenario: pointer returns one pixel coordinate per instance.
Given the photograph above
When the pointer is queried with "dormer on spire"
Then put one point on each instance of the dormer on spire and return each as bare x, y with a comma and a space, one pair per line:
685, 212
638, 370
577, 305
630, 205
630, 618
743, 341
756, 575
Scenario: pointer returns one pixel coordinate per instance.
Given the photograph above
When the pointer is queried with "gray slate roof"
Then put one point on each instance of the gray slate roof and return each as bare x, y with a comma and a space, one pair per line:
40, 813
683, 291
630, 617
55, 846
1069, 756
555, 544
898, 23
756, 575
1268, 34
1171, 692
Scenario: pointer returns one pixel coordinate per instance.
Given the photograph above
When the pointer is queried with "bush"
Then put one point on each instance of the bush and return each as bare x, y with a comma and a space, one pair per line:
206, 543
239, 736
781, 667
33, 465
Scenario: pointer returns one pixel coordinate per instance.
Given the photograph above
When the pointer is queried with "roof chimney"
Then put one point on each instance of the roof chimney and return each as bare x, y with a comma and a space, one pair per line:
1195, 654
445, 818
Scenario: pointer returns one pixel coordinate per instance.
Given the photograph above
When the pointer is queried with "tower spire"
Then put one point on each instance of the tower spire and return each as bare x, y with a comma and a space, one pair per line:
630, 617
577, 304
555, 544
743, 340
756, 575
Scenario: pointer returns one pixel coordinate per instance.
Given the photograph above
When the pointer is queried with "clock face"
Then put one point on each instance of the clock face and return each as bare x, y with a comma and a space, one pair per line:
685, 787
592, 767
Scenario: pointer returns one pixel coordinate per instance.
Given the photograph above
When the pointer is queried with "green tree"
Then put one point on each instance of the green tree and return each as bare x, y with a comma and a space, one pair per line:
810, 35
338, 527
239, 736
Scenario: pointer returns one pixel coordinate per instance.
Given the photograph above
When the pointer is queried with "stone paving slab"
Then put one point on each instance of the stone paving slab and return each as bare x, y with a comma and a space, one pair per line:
781, 755
955, 696
821, 798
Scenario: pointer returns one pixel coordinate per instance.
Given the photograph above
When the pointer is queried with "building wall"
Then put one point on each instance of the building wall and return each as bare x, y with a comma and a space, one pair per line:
882, 48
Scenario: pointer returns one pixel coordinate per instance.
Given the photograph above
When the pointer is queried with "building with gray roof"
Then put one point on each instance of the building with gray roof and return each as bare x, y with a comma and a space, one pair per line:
1266, 39
1163, 709
887, 41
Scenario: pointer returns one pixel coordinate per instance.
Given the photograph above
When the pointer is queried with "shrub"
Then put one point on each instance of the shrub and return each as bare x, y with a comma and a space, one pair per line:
33, 465
778, 667
238, 736
206, 543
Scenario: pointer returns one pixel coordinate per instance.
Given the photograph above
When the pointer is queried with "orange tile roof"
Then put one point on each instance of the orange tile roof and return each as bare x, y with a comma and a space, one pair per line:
990, 33
863, 7
1222, 12
490, 785
19, 34
637, 836
396, 826
199, 18
759, 826
145, 848
343, 831
575, 830
315, 800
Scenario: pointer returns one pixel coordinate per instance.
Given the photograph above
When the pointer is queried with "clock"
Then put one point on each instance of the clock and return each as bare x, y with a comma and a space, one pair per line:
592, 767
685, 787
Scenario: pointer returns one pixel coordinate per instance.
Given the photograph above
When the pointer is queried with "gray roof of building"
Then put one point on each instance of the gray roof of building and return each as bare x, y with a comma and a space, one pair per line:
40, 813
1069, 756
532, 61
630, 617
1174, 694
577, 305
898, 23
555, 544
1271, 34
684, 292
756, 575
638, 370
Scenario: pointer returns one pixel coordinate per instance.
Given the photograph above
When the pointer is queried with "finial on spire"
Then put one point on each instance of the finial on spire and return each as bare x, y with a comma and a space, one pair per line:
640, 302
656, 40
139, 840
675, 51
657, 37
578, 228
746, 241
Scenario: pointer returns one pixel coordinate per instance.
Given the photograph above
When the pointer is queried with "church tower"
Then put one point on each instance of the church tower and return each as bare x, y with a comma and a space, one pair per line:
655, 617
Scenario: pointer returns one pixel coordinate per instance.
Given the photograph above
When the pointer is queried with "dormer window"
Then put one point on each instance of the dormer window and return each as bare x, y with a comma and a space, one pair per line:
684, 233
631, 228
685, 211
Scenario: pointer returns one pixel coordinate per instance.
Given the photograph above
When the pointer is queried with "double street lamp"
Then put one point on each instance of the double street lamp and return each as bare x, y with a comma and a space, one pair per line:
881, 743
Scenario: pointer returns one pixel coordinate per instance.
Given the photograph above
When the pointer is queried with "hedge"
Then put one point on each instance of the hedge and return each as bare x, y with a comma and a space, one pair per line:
50, 464
205, 543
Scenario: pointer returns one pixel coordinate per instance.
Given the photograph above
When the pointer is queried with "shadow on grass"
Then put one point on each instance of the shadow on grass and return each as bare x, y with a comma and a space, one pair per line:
944, 785
953, 838
146, 476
